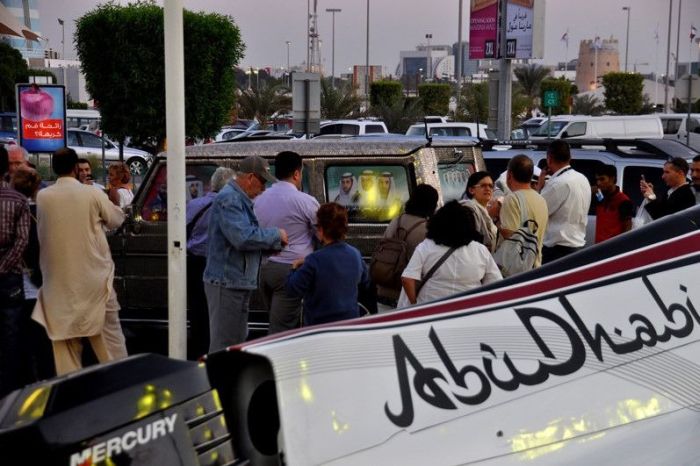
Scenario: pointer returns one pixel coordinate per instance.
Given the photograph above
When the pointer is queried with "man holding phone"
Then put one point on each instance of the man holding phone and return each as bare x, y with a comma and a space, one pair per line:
85, 174
678, 197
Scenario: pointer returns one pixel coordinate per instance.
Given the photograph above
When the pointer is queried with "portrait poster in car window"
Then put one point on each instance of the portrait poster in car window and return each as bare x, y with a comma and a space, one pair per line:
372, 193
42, 117
197, 183
453, 180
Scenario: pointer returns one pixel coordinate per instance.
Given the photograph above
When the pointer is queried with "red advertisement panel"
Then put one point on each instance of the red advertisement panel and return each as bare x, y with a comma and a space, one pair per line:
483, 29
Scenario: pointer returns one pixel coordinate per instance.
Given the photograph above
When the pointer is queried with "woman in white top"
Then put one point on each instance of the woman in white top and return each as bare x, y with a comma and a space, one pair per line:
119, 187
469, 266
478, 196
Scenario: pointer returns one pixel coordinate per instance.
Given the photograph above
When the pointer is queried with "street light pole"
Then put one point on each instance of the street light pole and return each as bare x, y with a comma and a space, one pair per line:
428, 75
627, 40
367, 62
63, 51
333, 11
289, 70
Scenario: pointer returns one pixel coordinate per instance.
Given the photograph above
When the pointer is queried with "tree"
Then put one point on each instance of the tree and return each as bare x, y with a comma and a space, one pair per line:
339, 102
121, 49
623, 93
386, 92
587, 104
530, 78
473, 103
400, 114
13, 70
262, 103
435, 98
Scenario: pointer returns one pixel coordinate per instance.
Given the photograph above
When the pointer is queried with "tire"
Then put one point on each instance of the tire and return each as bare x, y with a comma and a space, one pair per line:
137, 166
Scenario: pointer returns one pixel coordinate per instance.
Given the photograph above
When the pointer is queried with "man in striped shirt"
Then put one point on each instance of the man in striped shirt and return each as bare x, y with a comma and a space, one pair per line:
14, 235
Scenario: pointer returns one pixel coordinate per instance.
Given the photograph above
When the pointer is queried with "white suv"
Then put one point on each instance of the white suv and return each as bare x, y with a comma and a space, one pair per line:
353, 127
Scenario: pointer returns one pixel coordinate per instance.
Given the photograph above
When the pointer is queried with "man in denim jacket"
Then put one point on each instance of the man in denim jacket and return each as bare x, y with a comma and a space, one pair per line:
236, 245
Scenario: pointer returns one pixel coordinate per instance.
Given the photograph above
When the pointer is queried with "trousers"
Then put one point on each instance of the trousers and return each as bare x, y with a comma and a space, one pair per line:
285, 311
228, 316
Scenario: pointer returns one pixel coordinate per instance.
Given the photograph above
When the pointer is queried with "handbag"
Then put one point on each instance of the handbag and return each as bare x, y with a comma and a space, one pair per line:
519, 252
433, 269
642, 217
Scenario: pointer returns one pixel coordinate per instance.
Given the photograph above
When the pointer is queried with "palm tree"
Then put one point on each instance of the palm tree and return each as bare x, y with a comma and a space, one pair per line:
339, 102
261, 103
587, 105
530, 77
400, 114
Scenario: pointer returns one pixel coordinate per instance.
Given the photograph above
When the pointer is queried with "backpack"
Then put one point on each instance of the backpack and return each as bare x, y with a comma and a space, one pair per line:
391, 257
519, 252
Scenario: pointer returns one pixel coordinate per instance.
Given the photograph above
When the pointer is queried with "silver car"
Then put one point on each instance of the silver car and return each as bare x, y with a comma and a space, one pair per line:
87, 144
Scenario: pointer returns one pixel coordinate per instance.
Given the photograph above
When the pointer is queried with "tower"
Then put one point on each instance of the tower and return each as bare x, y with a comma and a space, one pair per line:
596, 58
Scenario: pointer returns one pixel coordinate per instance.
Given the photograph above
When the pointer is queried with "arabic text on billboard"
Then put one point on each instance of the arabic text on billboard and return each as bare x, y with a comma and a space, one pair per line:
519, 22
42, 117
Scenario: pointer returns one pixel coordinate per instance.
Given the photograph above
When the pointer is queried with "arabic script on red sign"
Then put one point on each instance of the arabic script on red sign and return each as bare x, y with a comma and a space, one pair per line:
44, 129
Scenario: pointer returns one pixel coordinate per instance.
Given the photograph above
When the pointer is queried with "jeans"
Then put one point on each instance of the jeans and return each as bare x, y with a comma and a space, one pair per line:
13, 328
228, 316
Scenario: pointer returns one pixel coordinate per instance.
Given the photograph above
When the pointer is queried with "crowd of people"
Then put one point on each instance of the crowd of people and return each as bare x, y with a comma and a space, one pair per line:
56, 270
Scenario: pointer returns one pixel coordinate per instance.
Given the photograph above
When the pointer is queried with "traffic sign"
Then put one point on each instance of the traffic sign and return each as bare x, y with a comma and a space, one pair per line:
551, 98
682, 93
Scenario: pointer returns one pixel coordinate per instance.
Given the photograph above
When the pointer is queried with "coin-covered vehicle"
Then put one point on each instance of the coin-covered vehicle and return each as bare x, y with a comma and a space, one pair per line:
385, 170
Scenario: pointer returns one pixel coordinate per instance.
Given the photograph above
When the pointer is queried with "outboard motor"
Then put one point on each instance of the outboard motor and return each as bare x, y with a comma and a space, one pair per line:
144, 410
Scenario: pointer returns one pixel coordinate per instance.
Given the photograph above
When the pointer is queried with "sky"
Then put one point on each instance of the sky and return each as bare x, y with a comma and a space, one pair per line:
397, 25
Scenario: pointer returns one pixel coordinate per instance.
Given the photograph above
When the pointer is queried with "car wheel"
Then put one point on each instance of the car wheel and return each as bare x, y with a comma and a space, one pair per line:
137, 166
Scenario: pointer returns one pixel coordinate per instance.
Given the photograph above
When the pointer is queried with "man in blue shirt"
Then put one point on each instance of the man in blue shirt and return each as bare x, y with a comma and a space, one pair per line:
285, 205
236, 245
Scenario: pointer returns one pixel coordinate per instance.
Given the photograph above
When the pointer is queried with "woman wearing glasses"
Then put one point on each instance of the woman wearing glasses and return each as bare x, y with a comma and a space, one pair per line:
479, 198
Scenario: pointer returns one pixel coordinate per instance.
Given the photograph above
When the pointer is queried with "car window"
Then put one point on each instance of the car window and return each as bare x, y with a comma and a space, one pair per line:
587, 167
330, 129
630, 181
90, 140
71, 139
671, 125
416, 131
496, 166
453, 180
353, 130
372, 193
693, 125
197, 180
370, 129
554, 128
576, 129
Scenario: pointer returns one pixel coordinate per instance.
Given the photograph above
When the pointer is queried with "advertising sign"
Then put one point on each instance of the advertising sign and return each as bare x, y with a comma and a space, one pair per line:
42, 117
524, 23
483, 29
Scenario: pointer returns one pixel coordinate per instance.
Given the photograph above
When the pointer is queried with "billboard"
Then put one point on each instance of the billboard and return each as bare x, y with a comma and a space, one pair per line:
524, 29
483, 29
42, 117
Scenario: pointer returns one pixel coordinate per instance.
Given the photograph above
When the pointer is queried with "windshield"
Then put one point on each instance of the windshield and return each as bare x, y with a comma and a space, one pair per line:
555, 127
416, 131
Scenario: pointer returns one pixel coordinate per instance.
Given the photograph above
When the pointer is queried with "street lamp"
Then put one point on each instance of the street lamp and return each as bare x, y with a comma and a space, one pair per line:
289, 70
367, 61
333, 11
628, 9
63, 47
430, 65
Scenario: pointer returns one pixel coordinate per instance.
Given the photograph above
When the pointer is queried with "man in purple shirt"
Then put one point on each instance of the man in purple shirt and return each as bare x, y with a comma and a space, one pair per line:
14, 236
284, 205
197, 221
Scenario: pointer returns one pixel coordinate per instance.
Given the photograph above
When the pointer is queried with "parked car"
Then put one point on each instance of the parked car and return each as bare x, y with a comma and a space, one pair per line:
139, 247
677, 126
631, 158
88, 144
353, 127
589, 127
455, 128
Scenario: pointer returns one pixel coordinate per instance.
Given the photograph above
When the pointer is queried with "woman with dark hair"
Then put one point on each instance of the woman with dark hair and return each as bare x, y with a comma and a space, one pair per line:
328, 279
468, 265
479, 194
409, 227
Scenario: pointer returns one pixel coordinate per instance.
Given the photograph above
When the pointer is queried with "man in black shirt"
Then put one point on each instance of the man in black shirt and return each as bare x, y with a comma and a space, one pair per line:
679, 195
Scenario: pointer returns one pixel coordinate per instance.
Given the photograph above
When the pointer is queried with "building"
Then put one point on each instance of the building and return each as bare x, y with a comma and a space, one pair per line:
360, 77
596, 58
27, 13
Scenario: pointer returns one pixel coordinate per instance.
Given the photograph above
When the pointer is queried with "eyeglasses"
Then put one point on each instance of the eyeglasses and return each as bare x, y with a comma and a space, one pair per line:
484, 185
